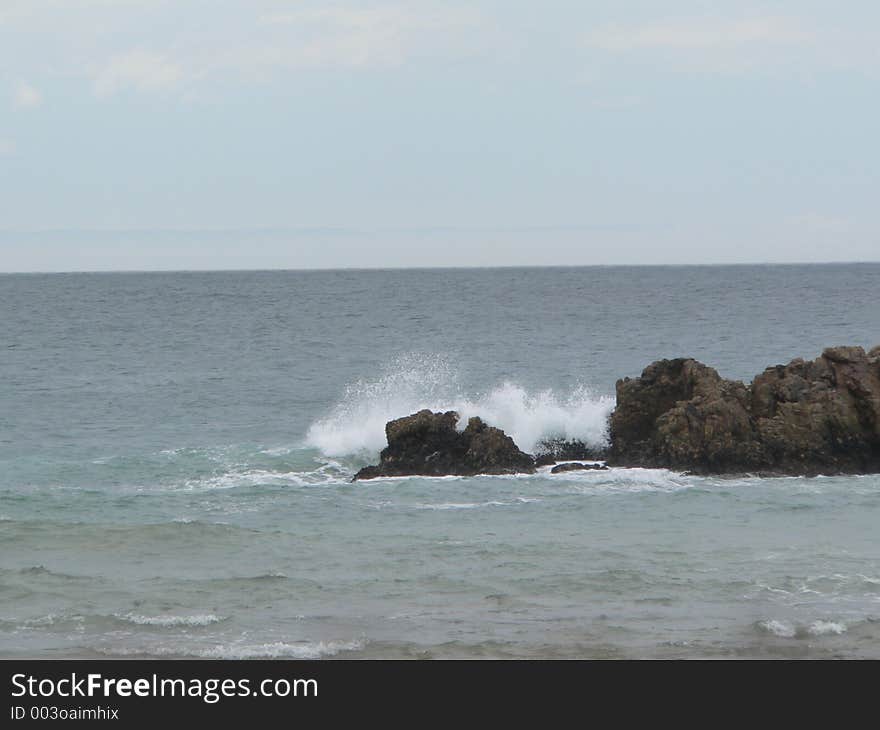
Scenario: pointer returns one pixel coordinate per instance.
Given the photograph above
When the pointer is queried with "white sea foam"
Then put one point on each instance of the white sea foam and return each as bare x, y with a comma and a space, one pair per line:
166, 621
357, 423
329, 473
47, 620
635, 480
236, 650
783, 629
788, 630
822, 628
468, 505
280, 650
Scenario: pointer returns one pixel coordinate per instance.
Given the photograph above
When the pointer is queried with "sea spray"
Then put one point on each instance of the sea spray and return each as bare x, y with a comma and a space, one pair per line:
531, 418
357, 423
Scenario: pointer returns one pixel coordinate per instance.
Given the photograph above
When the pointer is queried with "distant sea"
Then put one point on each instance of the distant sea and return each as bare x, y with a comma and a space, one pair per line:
176, 452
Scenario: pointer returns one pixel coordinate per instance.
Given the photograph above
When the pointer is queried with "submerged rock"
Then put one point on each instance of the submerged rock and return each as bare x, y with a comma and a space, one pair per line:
577, 466
429, 444
821, 416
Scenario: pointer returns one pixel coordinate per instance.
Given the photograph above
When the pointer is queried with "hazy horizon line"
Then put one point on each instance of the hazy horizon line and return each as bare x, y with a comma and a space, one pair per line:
328, 269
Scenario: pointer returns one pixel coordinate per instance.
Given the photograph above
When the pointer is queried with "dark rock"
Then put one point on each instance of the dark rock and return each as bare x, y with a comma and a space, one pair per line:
545, 459
550, 451
821, 416
642, 401
577, 466
807, 417
429, 444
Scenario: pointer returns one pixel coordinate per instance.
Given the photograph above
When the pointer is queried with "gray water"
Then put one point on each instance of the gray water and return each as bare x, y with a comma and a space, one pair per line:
176, 450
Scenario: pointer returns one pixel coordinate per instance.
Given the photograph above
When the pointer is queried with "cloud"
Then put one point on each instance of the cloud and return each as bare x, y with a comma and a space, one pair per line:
257, 46
381, 35
768, 45
699, 34
7, 147
388, 19
26, 96
140, 70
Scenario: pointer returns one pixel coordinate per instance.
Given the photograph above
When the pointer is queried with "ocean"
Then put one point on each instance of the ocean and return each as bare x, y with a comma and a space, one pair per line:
176, 451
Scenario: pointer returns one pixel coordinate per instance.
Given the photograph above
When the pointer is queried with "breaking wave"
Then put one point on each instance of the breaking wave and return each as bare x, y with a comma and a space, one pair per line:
168, 621
237, 650
357, 423
789, 630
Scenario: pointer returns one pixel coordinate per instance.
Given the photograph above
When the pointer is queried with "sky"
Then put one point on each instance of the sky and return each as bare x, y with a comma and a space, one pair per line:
228, 134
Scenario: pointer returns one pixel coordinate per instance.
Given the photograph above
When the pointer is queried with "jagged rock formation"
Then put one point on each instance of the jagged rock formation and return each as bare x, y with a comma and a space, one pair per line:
821, 416
429, 444
808, 417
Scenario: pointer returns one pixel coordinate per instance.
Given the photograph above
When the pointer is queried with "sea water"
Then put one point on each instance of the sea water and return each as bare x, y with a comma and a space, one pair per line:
176, 451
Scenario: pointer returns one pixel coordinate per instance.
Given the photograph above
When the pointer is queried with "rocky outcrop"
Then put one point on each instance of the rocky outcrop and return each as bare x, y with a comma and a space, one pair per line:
429, 444
682, 414
821, 416
808, 417
823, 413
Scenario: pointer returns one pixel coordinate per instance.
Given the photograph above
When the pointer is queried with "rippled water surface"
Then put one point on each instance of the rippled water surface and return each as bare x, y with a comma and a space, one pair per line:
176, 453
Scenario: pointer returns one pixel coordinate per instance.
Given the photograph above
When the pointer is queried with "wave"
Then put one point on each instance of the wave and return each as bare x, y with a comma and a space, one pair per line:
218, 467
470, 505
42, 571
357, 423
789, 630
243, 581
838, 586
60, 621
272, 650
626, 481
821, 628
280, 650
41, 622
168, 621
326, 474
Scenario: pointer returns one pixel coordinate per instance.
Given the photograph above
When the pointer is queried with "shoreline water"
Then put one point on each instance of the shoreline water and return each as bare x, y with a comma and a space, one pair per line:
182, 445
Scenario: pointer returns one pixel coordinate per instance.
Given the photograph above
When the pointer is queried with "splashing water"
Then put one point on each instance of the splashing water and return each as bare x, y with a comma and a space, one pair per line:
357, 423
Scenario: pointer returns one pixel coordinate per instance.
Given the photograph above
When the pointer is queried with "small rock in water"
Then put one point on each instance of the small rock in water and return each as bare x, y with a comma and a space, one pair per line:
577, 466
552, 450
429, 444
